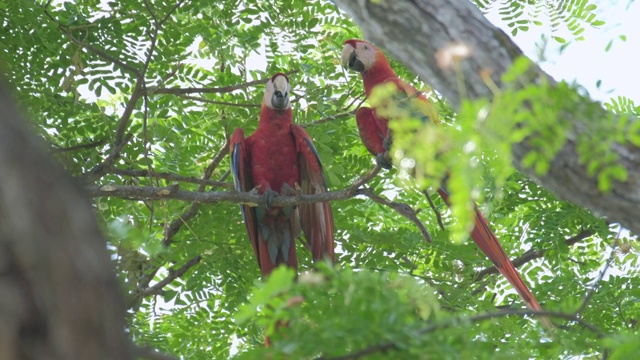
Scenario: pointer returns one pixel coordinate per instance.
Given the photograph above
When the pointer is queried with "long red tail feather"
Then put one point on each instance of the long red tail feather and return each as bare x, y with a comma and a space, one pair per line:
490, 246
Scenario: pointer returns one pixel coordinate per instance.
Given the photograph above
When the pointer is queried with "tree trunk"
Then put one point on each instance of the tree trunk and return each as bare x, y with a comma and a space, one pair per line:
59, 298
414, 31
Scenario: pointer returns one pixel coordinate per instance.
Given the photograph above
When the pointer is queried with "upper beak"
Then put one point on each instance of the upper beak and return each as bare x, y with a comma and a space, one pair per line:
350, 59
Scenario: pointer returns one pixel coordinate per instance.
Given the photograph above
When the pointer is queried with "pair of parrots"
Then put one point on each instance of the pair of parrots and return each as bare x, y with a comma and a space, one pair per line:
279, 159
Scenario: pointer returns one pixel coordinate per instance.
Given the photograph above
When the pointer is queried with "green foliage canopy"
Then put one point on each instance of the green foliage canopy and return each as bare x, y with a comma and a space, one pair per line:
145, 94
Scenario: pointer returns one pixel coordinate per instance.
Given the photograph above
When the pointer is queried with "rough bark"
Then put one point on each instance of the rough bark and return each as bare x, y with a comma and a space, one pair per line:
59, 298
414, 31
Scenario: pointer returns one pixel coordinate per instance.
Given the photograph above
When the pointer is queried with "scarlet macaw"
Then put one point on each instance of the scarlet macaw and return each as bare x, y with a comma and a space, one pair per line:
278, 158
363, 57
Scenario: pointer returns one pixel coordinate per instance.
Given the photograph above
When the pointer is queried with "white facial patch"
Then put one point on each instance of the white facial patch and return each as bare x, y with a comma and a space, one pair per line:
281, 83
366, 53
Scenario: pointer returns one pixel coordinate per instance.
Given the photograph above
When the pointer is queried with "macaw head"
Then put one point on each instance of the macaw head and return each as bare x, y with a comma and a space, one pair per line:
360, 55
276, 96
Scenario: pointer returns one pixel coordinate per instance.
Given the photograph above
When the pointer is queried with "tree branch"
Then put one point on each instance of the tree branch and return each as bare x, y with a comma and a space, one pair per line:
419, 33
402, 209
176, 224
530, 255
198, 197
390, 345
149, 353
102, 168
170, 176
329, 118
101, 53
214, 90
156, 289
88, 145
591, 291
434, 208
225, 103
59, 297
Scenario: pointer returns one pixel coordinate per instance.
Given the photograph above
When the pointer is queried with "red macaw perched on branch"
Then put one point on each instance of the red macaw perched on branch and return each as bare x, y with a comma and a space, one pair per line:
363, 57
278, 158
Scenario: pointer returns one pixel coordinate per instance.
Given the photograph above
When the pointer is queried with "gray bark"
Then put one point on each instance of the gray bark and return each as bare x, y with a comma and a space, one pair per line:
59, 298
414, 31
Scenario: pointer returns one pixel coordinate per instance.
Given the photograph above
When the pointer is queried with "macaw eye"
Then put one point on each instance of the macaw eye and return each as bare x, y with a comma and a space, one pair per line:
366, 47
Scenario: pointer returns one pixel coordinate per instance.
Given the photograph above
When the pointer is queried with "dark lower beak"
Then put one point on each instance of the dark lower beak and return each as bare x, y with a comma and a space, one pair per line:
278, 101
354, 63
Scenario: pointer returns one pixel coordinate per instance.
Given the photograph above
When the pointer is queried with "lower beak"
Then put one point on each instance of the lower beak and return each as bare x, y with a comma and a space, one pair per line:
354, 63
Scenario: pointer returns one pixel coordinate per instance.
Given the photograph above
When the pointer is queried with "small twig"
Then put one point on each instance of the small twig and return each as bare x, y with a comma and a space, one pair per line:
210, 90
390, 345
518, 312
409, 262
172, 228
89, 145
167, 77
530, 255
170, 177
146, 352
434, 208
402, 209
225, 103
176, 224
171, 11
156, 289
101, 53
594, 287
365, 178
102, 168
360, 99
329, 118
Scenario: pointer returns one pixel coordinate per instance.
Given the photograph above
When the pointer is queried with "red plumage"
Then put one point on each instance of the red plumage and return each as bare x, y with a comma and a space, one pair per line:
363, 57
277, 159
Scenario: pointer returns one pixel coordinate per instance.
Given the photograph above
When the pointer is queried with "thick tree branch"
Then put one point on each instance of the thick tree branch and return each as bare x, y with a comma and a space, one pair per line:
59, 298
530, 255
198, 197
420, 34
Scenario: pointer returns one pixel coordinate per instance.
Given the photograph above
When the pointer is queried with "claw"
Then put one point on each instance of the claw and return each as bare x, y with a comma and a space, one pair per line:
387, 142
384, 160
268, 196
288, 190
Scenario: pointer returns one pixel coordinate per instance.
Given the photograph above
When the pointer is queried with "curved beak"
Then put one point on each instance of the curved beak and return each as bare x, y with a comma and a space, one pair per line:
279, 100
280, 96
350, 59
